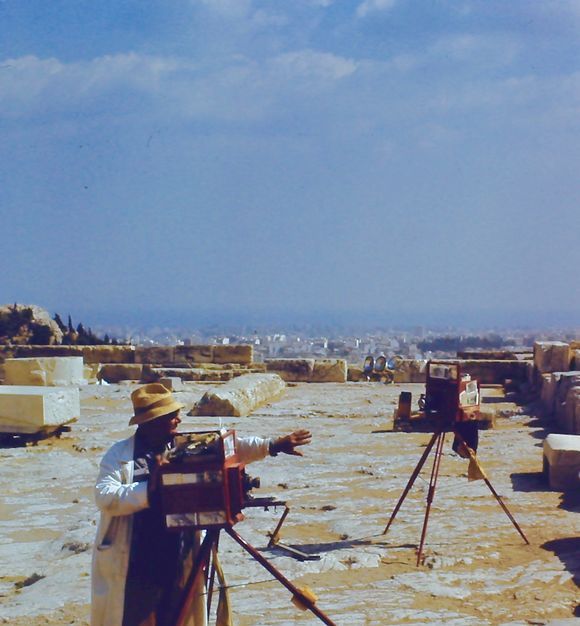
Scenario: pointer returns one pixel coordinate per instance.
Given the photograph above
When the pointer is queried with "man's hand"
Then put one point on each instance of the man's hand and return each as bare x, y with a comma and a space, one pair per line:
289, 443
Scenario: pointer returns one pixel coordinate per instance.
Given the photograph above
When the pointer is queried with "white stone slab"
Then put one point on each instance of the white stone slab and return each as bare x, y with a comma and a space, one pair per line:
562, 461
240, 396
54, 371
28, 410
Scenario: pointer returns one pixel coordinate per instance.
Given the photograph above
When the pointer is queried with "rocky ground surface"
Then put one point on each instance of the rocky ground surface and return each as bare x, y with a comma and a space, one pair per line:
477, 569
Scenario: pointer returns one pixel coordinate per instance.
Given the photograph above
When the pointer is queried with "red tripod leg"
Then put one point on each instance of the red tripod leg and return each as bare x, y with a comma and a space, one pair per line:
494, 492
280, 577
414, 475
431, 492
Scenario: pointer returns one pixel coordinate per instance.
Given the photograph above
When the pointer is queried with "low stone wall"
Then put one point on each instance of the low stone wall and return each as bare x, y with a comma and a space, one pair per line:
90, 354
171, 356
116, 372
240, 396
487, 372
291, 370
309, 370
495, 355
410, 371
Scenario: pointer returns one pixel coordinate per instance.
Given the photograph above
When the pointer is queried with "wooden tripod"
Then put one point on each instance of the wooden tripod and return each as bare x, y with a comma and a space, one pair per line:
201, 566
437, 441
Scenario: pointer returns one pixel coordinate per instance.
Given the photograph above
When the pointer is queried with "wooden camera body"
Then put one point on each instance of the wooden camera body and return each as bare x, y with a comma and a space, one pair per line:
450, 396
204, 485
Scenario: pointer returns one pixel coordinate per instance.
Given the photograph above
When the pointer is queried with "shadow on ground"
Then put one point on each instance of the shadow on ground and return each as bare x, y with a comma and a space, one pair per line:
567, 550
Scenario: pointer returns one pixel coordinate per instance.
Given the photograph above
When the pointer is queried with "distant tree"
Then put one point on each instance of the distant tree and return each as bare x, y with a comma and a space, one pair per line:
59, 322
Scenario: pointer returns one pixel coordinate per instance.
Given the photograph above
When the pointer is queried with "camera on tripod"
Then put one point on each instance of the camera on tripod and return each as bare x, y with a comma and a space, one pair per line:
450, 396
204, 485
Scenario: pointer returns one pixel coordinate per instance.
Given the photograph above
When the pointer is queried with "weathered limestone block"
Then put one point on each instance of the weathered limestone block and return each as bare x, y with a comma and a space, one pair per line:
551, 356
193, 355
354, 373
410, 371
329, 371
257, 368
172, 383
566, 381
242, 354
291, 370
575, 364
109, 354
91, 372
45, 371
29, 410
568, 414
116, 372
561, 456
491, 372
548, 391
240, 396
155, 355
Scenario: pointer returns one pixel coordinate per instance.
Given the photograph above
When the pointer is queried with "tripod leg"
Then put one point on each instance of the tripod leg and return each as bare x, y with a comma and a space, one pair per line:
280, 577
211, 577
199, 566
431, 492
493, 491
412, 479
274, 536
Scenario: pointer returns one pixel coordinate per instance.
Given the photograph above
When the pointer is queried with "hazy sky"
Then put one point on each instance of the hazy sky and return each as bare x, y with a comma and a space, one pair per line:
172, 158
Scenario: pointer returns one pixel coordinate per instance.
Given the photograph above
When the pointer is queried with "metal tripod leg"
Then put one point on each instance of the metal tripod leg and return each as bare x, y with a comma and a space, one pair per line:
431, 492
299, 595
414, 475
493, 491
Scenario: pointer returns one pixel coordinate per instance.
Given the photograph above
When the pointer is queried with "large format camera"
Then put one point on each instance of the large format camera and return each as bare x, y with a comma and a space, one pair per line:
450, 396
204, 485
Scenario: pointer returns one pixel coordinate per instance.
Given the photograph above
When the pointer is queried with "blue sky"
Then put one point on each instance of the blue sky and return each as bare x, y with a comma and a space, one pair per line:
170, 159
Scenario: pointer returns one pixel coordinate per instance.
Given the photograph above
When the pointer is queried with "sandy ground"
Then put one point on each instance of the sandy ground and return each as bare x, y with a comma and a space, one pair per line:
477, 568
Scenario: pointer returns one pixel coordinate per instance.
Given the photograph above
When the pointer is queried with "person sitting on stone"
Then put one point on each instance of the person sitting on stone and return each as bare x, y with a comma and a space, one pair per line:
138, 565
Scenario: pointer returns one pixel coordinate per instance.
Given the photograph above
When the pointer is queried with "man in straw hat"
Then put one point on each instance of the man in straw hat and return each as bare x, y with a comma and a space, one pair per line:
137, 563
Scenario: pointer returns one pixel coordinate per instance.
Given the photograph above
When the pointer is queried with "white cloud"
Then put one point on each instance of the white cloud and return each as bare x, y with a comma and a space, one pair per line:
373, 6
237, 90
28, 82
309, 64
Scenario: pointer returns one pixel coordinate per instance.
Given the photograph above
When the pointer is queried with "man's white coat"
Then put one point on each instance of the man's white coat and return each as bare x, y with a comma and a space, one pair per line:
118, 497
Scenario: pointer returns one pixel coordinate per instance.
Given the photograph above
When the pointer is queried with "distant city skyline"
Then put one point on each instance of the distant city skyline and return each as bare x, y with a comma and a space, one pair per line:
243, 160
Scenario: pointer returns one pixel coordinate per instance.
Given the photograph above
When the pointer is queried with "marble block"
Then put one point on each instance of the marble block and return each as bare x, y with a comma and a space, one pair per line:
561, 457
54, 371
240, 396
31, 409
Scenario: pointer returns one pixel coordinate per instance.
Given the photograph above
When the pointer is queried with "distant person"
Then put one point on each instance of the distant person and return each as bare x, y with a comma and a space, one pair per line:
138, 565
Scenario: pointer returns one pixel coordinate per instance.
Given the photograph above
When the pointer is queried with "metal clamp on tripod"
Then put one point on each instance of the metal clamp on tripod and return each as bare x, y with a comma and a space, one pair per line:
204, 487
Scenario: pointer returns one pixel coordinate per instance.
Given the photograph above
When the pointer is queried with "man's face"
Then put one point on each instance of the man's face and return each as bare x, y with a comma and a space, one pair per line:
163, 428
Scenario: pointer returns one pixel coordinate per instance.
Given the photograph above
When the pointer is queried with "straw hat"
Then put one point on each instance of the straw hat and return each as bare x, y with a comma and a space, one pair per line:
152, 401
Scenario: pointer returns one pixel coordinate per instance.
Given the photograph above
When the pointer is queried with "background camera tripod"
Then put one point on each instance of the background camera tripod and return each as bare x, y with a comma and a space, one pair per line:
437, 441
201, 565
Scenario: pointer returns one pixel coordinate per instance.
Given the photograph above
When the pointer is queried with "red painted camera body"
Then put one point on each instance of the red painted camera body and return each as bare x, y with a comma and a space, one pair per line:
204, 484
